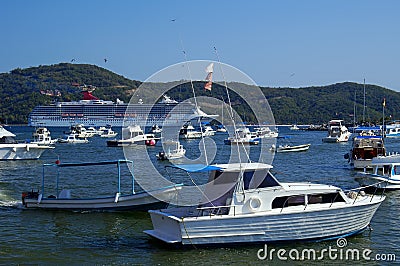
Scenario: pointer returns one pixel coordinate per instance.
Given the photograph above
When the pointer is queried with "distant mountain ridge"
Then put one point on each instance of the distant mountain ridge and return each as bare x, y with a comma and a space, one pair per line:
20, 91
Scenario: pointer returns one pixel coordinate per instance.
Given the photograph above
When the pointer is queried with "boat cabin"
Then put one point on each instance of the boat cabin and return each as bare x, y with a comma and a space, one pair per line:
367, 147
234, 189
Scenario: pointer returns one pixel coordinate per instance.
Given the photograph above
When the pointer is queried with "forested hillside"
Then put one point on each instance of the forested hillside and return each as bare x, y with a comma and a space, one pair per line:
22, 89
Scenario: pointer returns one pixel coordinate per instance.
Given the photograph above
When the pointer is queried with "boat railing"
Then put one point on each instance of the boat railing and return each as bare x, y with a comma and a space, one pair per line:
351, 193
215, 210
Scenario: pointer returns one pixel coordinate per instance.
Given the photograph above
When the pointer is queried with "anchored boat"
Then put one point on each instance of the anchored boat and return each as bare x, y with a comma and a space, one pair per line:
10, 149
62, 200
253, 206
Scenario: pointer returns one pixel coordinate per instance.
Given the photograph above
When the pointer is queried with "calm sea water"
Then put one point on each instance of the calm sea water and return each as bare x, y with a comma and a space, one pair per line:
58, 237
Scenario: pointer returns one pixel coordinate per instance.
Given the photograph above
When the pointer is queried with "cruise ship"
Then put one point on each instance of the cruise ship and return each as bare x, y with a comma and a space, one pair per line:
92, 111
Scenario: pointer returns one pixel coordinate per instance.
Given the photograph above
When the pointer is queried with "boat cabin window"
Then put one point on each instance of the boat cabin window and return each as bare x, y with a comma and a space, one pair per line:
258, 179
396, 170
296, 200
325, 198
225, 177
287, 201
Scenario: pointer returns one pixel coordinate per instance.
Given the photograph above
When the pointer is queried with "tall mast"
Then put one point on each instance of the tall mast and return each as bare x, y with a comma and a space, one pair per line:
364, 103
355, 110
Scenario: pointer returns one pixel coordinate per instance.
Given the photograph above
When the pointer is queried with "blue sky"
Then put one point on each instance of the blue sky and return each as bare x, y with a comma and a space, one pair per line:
277, 43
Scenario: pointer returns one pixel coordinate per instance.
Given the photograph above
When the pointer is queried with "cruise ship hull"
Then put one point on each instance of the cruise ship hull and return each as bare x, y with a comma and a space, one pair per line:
115, 115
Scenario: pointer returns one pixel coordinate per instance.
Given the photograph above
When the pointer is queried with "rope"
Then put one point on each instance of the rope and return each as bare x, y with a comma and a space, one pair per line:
195, 102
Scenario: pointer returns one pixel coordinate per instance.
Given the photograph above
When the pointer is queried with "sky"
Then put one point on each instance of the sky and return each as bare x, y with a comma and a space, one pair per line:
281, 43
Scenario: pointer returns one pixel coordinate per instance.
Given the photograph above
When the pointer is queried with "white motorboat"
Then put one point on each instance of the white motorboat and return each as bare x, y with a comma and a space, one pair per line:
248, 204
73, 138
265, 132
42, 136
81, 131
337, 132
385, 173
10, 149
62, 200
108, 133
367, 144
294, 127
133, 135
208, 131
189, 132
243, 136
172, 150
393, 131
290, 148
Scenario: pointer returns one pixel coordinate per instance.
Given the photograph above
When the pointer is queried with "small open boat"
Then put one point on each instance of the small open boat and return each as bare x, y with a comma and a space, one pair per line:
290, 148
158, 198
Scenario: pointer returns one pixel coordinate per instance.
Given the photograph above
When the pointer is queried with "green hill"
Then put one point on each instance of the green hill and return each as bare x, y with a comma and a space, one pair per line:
20, 91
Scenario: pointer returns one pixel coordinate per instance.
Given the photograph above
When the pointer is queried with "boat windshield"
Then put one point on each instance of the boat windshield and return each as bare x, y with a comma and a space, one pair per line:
258, 179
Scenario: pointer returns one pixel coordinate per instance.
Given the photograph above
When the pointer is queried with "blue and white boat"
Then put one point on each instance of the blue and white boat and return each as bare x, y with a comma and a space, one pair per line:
393, 131
385, 173
253, 206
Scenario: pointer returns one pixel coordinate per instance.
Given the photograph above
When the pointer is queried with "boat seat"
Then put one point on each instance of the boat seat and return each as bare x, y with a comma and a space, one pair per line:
65, 194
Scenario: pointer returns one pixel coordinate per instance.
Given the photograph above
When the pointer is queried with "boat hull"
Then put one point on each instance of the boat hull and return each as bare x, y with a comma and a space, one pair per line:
263, 227
139, 201
21, 151
298, 148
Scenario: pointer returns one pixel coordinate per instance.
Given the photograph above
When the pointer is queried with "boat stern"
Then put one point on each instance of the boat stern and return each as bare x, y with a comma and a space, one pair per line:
166, 228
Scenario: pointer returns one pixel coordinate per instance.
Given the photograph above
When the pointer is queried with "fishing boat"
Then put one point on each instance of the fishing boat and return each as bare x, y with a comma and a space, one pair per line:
108, 133
253, 206
42, 136
243, 136
290, 148
172, 150
11, 149
367, 144
385, 173
73, 138
337, 132
62, 200
133, 135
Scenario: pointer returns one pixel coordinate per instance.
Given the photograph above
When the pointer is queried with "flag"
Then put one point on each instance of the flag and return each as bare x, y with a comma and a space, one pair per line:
384, 102
209, 70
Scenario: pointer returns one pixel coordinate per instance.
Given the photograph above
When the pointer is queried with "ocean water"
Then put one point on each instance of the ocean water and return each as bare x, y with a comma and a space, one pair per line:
61, 237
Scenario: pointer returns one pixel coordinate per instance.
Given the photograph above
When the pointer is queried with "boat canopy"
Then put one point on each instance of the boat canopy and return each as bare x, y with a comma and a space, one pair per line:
196, 168
232, 167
